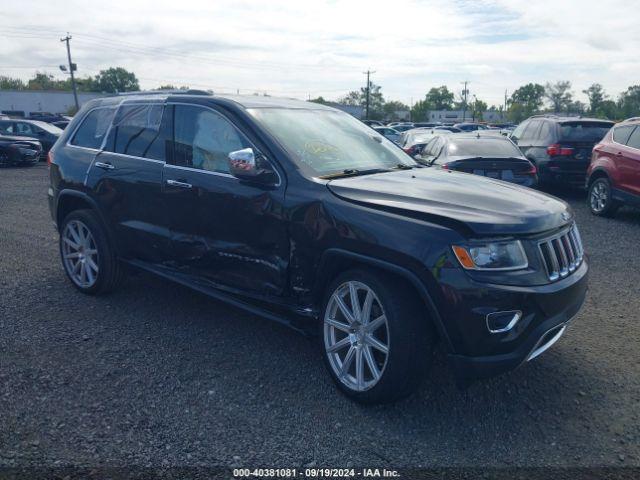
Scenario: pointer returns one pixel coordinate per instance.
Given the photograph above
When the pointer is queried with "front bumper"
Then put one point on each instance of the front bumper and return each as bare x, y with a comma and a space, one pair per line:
548, 311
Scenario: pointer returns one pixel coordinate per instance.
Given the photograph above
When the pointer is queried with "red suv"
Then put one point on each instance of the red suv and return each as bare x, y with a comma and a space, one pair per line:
613, 178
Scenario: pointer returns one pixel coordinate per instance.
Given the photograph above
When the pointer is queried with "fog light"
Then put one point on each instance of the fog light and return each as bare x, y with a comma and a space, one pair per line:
500, 322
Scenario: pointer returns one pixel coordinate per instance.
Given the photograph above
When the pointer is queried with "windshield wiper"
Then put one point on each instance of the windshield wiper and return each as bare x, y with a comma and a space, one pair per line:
353, 172
404, 166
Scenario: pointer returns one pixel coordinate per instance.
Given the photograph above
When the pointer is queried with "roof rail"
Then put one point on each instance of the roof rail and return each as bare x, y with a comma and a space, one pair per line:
545, 115
631, 119
165, 92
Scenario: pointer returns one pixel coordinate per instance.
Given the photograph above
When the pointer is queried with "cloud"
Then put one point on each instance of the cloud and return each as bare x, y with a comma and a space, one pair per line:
297, 49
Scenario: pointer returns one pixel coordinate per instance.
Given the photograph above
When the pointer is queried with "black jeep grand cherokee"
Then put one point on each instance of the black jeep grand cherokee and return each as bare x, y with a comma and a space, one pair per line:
303, 214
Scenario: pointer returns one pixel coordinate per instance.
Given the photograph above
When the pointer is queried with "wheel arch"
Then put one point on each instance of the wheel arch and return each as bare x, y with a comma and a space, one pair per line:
596, 173
71, 200
335, 261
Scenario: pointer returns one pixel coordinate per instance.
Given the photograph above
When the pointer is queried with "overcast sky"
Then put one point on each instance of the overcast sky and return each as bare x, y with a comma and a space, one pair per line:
321, 47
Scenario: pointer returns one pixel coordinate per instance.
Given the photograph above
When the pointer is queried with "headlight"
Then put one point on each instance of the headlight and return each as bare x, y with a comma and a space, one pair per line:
492, 255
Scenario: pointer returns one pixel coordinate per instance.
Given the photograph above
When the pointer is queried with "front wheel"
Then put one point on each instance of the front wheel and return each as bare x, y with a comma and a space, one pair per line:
601, 202
376, 340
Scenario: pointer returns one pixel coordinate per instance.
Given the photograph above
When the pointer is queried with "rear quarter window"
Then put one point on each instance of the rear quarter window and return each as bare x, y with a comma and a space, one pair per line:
93, 128
621, 133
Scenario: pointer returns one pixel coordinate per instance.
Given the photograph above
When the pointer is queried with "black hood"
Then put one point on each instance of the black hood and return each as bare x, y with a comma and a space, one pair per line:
486, 206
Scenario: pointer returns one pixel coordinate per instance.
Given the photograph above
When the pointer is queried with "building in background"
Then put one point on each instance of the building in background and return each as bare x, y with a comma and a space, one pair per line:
458, 116
23, 102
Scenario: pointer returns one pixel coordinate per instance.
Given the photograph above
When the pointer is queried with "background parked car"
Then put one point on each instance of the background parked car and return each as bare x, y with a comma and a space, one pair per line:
450, 128
389, 133
373, 123
46, 133
412, 141
614, 171
470, 126
19, 150
560, 147
426, 124
62, 124
486, 155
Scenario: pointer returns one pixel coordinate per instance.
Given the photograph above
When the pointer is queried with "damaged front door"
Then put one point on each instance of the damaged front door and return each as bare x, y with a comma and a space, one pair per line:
224, 230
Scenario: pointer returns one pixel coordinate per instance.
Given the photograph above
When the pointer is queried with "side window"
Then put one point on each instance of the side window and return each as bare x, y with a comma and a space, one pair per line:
25, 129
93, 128
517, 133
6, 127
136, 131
531, 133
428, 149
621, 134
204, 139
545, 131
634, 139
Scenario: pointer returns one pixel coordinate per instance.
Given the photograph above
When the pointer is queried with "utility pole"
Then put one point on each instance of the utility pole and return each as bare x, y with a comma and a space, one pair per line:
464, 104
504, 112
72, 67
368, 73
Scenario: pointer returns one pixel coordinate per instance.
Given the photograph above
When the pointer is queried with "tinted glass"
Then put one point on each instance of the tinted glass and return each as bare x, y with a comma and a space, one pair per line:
634, 139
93, 128
204, 139
25, 129
583, 131
6, 127
136, 131
545, 131
517, 133
621, 134
482, 147
532, 130
329, 142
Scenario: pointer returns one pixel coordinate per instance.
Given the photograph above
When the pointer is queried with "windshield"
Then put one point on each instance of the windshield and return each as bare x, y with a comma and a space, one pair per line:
330, 142
583, 131
483, 147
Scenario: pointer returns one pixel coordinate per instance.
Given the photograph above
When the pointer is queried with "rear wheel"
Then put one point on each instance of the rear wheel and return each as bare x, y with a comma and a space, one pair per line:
88, 257
376, 340
600, 200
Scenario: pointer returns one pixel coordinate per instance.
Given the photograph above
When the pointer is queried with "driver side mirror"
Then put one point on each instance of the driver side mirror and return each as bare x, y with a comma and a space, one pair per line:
246, 165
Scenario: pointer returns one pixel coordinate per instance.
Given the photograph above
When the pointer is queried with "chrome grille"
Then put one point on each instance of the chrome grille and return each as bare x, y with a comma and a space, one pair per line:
562, 253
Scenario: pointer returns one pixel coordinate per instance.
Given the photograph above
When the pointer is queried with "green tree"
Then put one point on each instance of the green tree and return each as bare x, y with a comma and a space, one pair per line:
440, 98
596, 95
525, 101
116, 79
44, 81
376, 101
9, 83
478, 107
352, 98
319, 100
630, 102
559, 95
608, 109
420, 109
391, 109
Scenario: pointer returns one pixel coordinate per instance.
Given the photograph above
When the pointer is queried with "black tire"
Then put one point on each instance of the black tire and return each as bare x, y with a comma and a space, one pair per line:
600, 200
110, 271
411, 337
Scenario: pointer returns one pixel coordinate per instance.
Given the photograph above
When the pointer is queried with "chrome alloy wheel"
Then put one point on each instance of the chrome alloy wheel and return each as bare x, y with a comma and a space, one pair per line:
599, 196
356, 336
80, 254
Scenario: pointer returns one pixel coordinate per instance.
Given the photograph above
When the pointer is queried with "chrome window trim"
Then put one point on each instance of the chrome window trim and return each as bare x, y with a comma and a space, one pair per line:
75, 130
624, 144
192, 169
206, 107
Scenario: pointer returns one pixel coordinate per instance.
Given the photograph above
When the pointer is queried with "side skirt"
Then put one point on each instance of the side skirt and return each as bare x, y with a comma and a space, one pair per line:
298, 318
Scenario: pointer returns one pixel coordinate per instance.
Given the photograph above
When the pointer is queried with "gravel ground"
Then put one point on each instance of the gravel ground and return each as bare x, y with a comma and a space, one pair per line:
156, 374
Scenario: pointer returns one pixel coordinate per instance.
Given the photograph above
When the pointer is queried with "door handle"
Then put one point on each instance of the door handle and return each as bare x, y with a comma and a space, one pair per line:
175, 183
104, 166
